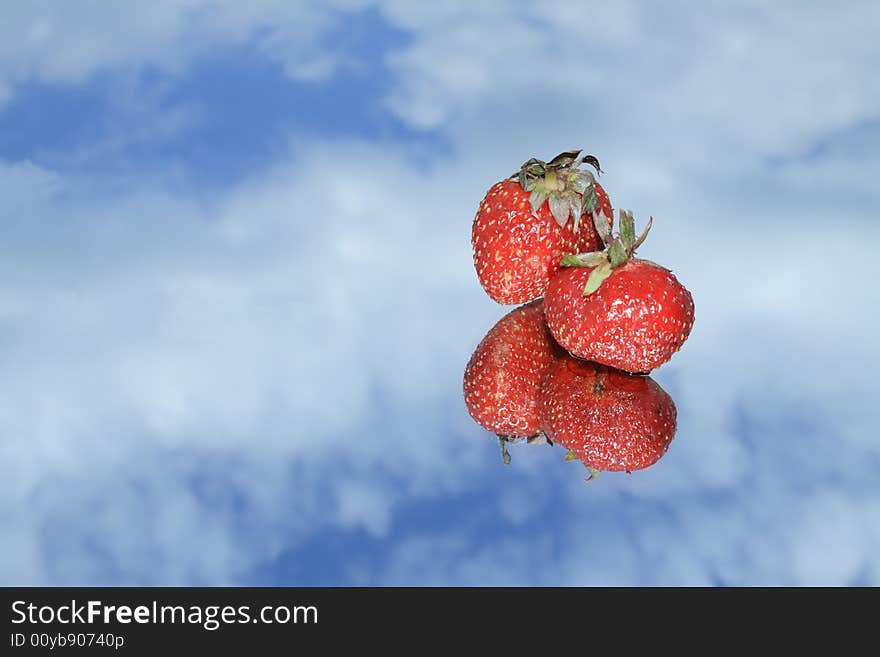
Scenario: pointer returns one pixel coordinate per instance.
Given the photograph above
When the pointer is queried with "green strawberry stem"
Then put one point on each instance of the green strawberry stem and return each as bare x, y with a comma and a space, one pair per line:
568, 190
618, 251
505, 455
593, 472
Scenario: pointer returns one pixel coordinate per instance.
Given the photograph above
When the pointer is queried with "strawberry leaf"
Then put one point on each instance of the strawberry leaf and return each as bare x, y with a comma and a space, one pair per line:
505, 455
559, 209
574, 209
627, 229
597, 277
580, 181
534, 166
590, 200
644, 234
564, 159
617, 253
537, 198
603, 226
529, 173
593, 162
571, 456
591, 259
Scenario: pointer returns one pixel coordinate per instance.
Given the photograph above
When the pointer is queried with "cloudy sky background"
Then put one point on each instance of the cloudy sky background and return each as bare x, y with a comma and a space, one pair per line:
237, 297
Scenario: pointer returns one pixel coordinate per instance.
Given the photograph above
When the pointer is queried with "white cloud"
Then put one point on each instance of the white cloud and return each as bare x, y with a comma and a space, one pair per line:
71, 42
821, 538
154, 337
738, 73
144, 329
22, 182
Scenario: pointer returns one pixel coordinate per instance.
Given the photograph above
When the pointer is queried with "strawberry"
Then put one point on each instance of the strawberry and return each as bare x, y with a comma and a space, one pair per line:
501, 380
525, 225
614, 309
608, 419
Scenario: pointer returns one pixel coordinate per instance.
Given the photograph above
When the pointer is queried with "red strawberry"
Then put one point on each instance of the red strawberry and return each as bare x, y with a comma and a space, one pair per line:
610, 420
501, 380
617, 310
527, 223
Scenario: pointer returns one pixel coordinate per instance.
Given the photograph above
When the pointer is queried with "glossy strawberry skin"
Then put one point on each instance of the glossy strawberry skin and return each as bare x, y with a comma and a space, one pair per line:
610, 420
516, 252
502, 379
637, 319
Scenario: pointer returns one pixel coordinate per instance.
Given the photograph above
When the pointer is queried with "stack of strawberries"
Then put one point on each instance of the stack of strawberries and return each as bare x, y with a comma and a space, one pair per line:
571, 367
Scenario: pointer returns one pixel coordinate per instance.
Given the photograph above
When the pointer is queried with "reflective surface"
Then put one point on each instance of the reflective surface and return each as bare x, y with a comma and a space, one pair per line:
237, 291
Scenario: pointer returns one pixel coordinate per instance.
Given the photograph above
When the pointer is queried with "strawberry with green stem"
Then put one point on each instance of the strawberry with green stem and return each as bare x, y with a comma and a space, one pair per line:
526, 223
613, 308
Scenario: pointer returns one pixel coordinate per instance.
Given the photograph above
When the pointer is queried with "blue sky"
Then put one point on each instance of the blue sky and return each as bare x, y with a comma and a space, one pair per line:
237, 297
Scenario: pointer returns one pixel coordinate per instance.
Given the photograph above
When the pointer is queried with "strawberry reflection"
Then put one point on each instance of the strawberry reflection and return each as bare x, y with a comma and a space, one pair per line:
502, 379
520, 385
608, 419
